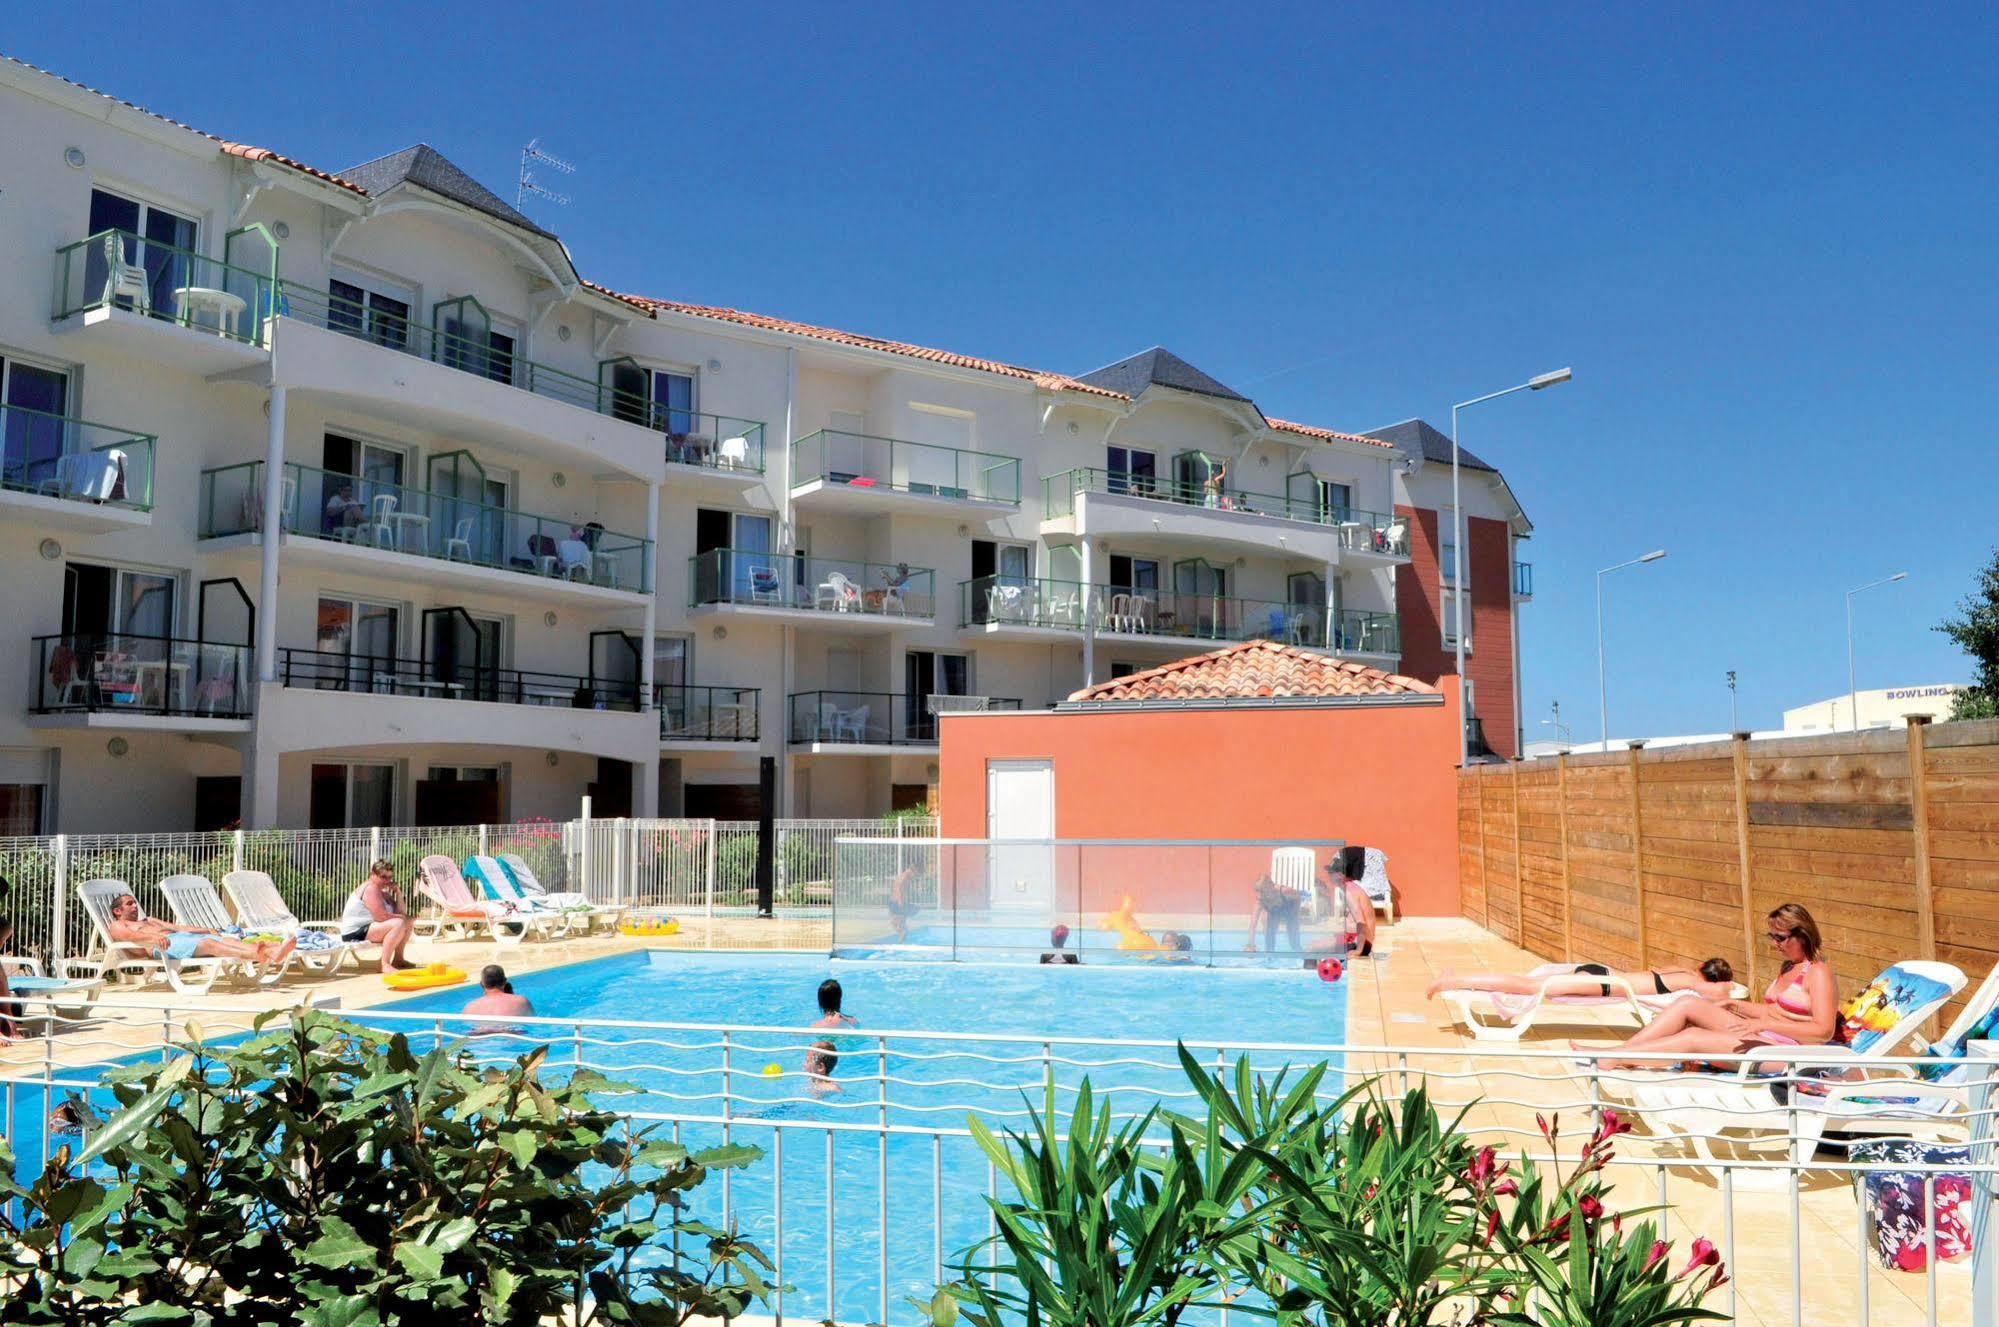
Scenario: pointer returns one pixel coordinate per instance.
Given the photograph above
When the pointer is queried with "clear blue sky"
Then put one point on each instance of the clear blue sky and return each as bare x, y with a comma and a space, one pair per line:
1763, 240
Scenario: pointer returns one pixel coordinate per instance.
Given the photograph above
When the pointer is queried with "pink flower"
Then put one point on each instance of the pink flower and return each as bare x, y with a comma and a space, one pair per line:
1611, 1125
1704, 1255
1505, 1189
1590, 1207
1491, 1225
1657, 1255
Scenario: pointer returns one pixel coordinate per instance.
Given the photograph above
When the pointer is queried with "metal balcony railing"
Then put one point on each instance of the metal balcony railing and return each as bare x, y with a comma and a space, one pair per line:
386, 675
124, 270
126, 673
707, 714
878, 718
798, 581
401, 518
70, 458
1193, 615
1523, 579
1059, 492
926, 469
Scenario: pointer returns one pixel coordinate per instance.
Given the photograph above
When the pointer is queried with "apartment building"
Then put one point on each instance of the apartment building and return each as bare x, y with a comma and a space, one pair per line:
338, 498
1428, 604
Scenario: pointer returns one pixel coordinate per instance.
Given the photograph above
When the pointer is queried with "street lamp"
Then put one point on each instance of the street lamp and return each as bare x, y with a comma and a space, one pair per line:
1562, 733
1852, 688
1734, 724
1603, 696
1552, 378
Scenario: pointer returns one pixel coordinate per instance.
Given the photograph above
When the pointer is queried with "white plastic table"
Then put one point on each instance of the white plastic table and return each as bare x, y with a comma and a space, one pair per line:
404, 520
226, 307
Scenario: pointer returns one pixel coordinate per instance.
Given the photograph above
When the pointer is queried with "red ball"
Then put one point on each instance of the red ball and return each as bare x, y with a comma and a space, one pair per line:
1329, 969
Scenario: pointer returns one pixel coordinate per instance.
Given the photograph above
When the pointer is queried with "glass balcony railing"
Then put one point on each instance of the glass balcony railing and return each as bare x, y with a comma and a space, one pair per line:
124, 270
795, 580
860, 461
1059, 492
878, 718
707, 714
125, 673
75, 459
385, 675
1193, 615
377, 513
713, 442
1523, 579
1371, 531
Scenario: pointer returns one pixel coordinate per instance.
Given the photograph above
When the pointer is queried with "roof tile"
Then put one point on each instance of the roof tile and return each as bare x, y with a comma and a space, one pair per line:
1259, 668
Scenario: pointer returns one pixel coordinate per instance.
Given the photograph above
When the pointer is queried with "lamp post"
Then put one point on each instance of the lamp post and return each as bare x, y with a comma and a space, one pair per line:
1553, 378
1852, 687
1602, 695
1734, 724
1562, 733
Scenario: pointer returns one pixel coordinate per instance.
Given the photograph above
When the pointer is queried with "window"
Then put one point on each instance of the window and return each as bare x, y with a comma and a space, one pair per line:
33, 401
356, 642
355, 472
1134, 575
118, 601
1447, 564
465, 773
1448, 615
1335, 501
927, 673
468, 339
673, 403
155, 239
372, 315
21, 808
739, 543
996, 564
352, 796
1119, 668
1200, 599
1132, 470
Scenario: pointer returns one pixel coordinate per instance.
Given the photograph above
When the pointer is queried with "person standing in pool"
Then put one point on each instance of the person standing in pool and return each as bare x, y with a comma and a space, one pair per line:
830, 1013
1058, 942
900, 906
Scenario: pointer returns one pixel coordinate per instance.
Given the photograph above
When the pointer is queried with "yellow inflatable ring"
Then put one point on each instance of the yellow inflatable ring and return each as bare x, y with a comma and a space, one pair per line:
649, 926
417, 979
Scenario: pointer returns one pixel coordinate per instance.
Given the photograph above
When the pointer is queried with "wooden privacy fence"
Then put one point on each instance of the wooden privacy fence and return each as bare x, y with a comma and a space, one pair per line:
1647, 858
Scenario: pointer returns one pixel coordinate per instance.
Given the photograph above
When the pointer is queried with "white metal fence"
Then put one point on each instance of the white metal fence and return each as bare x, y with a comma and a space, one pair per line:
867, 1192
704, 868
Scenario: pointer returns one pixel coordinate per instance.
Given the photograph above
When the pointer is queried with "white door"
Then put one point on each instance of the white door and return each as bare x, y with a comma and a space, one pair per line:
1020, 804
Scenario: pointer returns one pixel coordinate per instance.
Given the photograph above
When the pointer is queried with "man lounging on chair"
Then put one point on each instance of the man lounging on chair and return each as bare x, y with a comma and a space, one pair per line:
168, 940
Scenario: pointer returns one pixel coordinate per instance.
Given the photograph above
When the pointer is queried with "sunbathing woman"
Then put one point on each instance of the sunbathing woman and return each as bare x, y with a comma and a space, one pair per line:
1800, 1008
1713, 980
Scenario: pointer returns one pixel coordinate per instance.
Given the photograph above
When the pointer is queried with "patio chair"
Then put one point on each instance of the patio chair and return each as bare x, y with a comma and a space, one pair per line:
195, 903
1491, 1016
1740, 1107
837, 593
461, 538
734, 454
1296, 869
459, 912
108, 958
851, 725
604, 915
765, 588
125, 280
46, 999
1395, 539
382, 521
259, 907
574, 556
494, 883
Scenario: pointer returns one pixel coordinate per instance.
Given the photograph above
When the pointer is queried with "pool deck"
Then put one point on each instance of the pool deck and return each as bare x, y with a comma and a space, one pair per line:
1386, 1008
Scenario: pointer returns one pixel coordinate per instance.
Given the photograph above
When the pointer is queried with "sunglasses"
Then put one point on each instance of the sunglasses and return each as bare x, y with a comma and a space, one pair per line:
1779, 937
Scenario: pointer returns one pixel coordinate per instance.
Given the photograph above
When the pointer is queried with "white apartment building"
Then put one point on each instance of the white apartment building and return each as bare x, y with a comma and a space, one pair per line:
342, 498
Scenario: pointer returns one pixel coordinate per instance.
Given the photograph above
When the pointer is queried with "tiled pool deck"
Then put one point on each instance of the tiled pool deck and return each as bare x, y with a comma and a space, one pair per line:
1386, 1007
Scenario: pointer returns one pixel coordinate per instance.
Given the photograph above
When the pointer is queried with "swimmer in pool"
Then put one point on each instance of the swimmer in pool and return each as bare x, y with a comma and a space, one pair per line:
1058, 946
830, 1013
821, 1058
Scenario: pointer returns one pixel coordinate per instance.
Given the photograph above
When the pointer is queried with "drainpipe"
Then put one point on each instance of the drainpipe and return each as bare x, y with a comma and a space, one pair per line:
652, 597
788, 542
1089, 617
273, 523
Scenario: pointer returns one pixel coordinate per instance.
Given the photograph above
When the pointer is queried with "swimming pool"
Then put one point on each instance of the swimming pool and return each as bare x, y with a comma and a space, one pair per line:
840, 1200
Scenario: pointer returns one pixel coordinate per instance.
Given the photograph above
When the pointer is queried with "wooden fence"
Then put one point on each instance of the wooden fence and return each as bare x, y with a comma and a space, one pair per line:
1644, 858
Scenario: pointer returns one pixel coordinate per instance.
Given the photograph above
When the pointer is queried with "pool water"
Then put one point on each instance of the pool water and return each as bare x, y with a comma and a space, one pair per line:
991, 942
901, 1204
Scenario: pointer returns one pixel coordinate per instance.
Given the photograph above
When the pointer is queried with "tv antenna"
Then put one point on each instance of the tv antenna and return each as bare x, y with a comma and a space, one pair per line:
531, 156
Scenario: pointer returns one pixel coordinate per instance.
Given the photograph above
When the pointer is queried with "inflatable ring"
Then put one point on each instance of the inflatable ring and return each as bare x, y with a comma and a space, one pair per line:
649, 926
417, 979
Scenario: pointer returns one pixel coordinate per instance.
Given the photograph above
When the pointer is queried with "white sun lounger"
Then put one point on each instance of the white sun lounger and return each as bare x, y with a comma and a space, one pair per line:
1739, 1109
118, 958
463, 916
195, 903
605, 915
499, 887
1492, 1016
46, 999
259, 907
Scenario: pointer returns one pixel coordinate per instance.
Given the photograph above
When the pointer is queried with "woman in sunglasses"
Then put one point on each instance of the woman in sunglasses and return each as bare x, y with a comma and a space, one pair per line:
1800, 1007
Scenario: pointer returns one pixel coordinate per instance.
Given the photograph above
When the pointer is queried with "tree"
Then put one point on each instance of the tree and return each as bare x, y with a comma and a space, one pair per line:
1976, 632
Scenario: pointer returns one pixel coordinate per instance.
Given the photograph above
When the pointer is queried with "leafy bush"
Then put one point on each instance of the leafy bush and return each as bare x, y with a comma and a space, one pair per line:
324, 1174
1278, 1204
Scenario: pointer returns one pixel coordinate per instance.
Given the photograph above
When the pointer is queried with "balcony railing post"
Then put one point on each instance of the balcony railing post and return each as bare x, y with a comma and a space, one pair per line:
59, 904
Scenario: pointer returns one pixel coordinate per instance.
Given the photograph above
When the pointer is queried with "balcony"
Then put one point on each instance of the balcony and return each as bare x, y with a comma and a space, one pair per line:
711, 452
71, 474
866, 722
707, 718
1148, 514
1017, 608
1371, 537
114, 680
165, 304
383, 675
836, 594
1523, 580
371, 525
852, 472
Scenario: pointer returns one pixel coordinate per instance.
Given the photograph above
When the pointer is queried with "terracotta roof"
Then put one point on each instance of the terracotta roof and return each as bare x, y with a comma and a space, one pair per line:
1054, 382
1255, 669
249, 153
638, 302
1326, 435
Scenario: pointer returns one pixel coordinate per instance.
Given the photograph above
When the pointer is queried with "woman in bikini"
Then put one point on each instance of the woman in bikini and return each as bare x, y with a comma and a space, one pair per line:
1800, 1008
1714, 979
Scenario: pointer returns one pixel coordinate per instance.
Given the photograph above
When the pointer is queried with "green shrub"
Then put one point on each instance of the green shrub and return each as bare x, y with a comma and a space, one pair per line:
324, 1174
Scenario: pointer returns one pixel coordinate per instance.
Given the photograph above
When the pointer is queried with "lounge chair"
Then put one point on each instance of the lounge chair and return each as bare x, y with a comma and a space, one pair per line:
44, 998
1742, 1107
195, 903
459, 913
108, 958
1492, 1016
259, 907
498, 886
603, 915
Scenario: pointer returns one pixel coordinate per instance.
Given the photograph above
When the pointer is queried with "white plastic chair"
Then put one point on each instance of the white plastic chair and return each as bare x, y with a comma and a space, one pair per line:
125, 279
382, 527
574, 555
852, 725
1295, 869
733, 454
259, 907
461, 538
836, 592
109, 958
1396, 537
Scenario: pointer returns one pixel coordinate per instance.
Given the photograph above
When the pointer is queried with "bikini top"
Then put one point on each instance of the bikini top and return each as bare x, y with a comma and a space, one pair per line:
1783, 993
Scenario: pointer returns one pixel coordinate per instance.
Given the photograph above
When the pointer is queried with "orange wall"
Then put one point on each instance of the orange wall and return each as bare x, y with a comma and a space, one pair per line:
1384, 776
